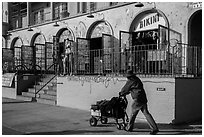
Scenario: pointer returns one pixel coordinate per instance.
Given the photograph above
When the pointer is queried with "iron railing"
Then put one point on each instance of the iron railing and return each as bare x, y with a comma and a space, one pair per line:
177, 60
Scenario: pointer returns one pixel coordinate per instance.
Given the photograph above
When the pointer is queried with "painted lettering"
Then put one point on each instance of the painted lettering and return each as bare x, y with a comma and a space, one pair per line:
149, 21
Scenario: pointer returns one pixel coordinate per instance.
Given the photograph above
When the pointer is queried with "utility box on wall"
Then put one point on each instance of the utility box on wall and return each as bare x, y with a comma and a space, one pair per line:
166, 99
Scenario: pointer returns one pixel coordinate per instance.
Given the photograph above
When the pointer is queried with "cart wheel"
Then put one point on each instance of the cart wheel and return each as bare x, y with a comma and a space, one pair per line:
119, 127
93, 121
104, 120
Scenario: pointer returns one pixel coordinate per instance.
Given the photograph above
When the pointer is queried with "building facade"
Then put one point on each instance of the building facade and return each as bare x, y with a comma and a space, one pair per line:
95, 39
153, 25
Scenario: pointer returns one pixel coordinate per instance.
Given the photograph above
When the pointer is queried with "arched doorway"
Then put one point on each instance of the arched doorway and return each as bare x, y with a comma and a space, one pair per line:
144, 47
95, 51
39, 51
16, 45
194, 49
63, 35
195, 29
65, 48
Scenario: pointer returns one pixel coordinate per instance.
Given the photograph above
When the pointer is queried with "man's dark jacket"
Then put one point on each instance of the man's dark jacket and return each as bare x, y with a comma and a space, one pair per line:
134, 86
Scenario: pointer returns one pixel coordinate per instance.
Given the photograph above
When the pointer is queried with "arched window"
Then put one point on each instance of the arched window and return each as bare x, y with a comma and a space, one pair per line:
99, 29
66, 34
17, 51
39, 43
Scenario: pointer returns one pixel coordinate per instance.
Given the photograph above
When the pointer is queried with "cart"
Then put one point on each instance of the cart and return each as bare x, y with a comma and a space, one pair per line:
114, 108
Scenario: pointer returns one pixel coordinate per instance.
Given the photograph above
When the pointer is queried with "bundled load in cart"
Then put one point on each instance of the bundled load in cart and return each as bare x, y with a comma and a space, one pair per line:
104, 109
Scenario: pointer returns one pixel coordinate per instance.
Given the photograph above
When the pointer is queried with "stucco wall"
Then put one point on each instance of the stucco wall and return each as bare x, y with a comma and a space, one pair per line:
78, 93
188, 99
177, 16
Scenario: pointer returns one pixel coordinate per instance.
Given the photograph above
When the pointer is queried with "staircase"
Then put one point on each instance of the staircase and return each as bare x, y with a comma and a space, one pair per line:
47, 95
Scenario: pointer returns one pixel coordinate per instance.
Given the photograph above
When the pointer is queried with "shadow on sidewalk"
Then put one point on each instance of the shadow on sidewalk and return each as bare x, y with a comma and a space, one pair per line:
168, 132
17, 102
71, 132
170, 129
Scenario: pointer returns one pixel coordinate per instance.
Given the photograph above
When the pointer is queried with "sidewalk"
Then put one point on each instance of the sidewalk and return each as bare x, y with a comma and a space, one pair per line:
31, 118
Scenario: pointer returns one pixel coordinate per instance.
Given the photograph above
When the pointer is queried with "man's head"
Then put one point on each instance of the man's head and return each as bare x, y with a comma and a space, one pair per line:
129, 73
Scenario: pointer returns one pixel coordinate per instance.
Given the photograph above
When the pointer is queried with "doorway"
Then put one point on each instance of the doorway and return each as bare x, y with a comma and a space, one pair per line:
194, 51
96, 55
195, 29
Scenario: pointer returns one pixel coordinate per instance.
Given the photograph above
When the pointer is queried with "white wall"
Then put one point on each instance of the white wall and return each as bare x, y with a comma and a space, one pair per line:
80, 95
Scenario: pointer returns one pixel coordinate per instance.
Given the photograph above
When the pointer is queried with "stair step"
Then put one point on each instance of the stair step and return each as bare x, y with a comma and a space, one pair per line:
46, 101
47, 96
32, 90
29, 94
37, 87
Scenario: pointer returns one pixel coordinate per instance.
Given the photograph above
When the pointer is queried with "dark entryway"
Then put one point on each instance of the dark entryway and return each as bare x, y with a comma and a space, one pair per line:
195, 29
96, 55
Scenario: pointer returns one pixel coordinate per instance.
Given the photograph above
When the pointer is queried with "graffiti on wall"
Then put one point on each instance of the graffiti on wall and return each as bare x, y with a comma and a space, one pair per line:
106, 80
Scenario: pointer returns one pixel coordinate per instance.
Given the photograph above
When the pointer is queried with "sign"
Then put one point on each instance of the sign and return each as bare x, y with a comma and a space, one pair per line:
7, 79
151, 21
161, 89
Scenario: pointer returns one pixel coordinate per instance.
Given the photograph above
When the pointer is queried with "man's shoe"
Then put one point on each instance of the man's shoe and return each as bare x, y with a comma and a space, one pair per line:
154, 132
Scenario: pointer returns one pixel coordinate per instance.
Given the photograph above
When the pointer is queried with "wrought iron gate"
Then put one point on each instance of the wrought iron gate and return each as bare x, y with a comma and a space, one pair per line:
27, 57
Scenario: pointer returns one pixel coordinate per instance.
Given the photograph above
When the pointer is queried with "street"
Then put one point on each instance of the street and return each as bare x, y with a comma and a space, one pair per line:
31, 118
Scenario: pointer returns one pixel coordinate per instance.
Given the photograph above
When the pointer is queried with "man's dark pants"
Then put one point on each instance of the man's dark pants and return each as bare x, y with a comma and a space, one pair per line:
135, 109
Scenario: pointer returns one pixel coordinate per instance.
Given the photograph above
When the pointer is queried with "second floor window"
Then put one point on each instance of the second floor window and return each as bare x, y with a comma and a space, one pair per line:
92, 6
60, 10
56, 12
78, 7
38, 16
64, 7
35, 17
84, 7
42, 17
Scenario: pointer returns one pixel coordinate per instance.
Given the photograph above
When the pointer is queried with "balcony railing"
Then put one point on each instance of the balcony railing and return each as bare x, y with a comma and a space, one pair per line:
181, 60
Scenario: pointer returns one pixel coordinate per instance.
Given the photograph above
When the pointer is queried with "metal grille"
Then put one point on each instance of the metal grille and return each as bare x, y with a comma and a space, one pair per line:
7, 60
179, 60
27, 56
